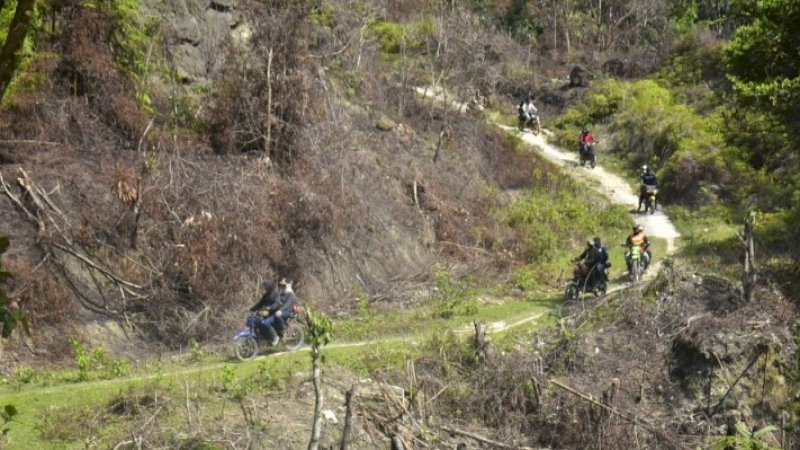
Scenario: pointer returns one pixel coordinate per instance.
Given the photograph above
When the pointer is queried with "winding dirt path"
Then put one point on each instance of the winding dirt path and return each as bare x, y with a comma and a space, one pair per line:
616, 188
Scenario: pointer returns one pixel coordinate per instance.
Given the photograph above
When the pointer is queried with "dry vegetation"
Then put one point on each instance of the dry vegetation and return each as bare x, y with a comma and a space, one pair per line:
170, 228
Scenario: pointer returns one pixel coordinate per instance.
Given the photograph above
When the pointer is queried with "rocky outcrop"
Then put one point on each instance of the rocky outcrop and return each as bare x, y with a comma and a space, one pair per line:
197, 33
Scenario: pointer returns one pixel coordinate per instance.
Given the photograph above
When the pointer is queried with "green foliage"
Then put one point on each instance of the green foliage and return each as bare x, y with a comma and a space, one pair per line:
649, 126
453, 298
25, 374
558, 216
324, 15
395, 38
237, 388
762, 59
746, 439
131, 41
7, 414
196, 351
319, 331
97, 363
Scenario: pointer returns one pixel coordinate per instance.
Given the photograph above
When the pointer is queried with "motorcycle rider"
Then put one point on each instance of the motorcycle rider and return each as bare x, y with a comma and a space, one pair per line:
647, 178
638, 238
591, 257
602, 260
274, 307
528, 113
587, 139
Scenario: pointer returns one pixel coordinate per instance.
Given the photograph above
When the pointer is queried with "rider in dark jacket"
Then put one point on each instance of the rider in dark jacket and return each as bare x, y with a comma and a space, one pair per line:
591, 257
647, 178
602, 259
274, 307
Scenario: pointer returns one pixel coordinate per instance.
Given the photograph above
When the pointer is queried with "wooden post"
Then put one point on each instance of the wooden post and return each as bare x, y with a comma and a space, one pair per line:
348, 418
750, 276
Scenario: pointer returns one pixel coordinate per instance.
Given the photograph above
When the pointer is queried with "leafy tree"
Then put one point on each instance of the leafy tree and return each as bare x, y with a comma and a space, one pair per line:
14, 40
320, 332
762, 60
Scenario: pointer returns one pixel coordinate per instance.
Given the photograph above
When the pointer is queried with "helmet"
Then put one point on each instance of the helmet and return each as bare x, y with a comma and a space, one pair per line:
637, 228
645, 168
268, 285
590, 243
284, 282
585, 129
597, 242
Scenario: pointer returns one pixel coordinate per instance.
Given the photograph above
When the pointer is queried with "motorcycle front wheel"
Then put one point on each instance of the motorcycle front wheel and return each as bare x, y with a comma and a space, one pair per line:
636, 270
294, 337
245, 348
571, 292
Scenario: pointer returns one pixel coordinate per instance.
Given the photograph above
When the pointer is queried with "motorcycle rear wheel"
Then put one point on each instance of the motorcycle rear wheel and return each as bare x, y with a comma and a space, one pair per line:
245, 348
294, 337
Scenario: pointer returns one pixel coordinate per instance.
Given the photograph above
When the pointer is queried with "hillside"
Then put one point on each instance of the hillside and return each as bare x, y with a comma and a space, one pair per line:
160, 160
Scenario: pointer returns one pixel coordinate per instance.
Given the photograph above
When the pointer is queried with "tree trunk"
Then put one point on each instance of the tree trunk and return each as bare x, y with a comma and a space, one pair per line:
9, 59
750, 276
316, 429
348, 418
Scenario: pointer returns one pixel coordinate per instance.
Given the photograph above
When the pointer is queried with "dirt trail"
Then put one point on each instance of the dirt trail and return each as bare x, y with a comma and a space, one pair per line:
617, 189
657, 225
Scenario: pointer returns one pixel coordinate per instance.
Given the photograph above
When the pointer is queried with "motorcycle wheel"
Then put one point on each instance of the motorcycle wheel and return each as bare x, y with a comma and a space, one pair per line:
294, 337
636, 270
571, 292
594, 161
245, 348
601, 289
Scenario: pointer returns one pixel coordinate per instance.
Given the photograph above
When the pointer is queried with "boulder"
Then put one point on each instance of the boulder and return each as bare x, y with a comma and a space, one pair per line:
580, 76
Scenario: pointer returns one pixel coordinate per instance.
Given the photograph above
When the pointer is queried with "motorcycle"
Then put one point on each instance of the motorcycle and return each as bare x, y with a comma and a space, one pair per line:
583, 281
531, 123
247, 343
638, 259
649, 193
586, 152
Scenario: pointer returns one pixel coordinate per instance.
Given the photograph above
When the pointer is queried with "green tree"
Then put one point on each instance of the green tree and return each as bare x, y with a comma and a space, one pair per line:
14, 40
762, 60
320, 332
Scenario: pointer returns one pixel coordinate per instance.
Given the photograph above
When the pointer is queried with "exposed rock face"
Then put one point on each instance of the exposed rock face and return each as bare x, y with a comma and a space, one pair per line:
580, 76
197, 32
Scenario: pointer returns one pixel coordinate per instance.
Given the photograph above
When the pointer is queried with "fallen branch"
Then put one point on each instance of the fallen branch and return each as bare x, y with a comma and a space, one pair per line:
632, 418
488, 441
28, 141
627, 416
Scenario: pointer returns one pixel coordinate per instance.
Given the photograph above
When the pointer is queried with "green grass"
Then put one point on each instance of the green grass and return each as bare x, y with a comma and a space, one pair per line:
424, 321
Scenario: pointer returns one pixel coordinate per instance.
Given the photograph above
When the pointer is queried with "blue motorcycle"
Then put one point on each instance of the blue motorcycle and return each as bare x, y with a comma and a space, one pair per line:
247, 342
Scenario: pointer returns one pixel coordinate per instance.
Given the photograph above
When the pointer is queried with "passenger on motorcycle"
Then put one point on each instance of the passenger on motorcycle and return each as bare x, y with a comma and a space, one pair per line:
638, 238
647, 178
275, 307
602, 259
592, 258
586, 140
